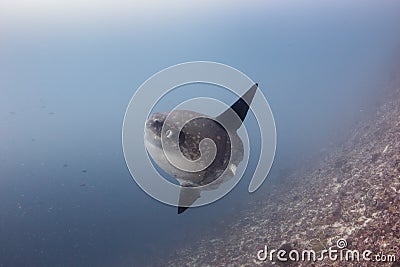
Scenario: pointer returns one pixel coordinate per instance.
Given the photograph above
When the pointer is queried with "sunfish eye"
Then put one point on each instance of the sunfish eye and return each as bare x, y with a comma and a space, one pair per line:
168, 133
157, 123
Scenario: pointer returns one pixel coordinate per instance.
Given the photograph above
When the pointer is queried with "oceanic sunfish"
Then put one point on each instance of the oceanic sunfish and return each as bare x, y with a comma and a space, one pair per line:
201, 149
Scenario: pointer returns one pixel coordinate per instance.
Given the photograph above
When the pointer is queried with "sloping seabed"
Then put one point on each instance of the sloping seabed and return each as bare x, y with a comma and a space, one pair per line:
353, 193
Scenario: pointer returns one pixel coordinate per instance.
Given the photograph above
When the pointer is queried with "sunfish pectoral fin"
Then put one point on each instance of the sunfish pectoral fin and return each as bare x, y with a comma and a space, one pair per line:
187, 196
240, 107
233, 169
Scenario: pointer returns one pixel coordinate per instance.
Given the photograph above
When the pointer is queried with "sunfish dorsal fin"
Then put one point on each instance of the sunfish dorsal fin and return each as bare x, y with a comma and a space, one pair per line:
240, 107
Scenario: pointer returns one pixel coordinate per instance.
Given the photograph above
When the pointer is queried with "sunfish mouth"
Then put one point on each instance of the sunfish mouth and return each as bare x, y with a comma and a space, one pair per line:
151, 139
153, 128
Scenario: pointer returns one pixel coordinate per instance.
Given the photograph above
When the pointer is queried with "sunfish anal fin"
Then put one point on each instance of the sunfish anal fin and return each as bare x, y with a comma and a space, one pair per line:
187, 196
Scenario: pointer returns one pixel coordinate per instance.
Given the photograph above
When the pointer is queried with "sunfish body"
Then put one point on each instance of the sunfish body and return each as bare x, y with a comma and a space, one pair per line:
208, 149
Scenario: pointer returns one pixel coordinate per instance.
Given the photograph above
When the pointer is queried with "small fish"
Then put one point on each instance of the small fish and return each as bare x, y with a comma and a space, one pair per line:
84, 171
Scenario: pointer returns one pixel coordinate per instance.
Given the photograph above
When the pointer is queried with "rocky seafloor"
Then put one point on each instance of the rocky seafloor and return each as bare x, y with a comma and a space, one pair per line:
352, 193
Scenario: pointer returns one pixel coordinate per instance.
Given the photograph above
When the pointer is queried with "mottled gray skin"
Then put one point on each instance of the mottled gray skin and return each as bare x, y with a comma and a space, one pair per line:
205, 152
198, 128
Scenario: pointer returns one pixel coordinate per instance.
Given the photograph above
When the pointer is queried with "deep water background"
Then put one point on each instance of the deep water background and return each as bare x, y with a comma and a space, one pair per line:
66, 196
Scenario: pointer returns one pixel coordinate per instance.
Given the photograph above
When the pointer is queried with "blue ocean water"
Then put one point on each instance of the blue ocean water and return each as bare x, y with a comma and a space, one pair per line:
66, 195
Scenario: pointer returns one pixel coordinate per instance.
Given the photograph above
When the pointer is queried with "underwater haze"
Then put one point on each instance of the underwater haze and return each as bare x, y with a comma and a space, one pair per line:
68, 71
